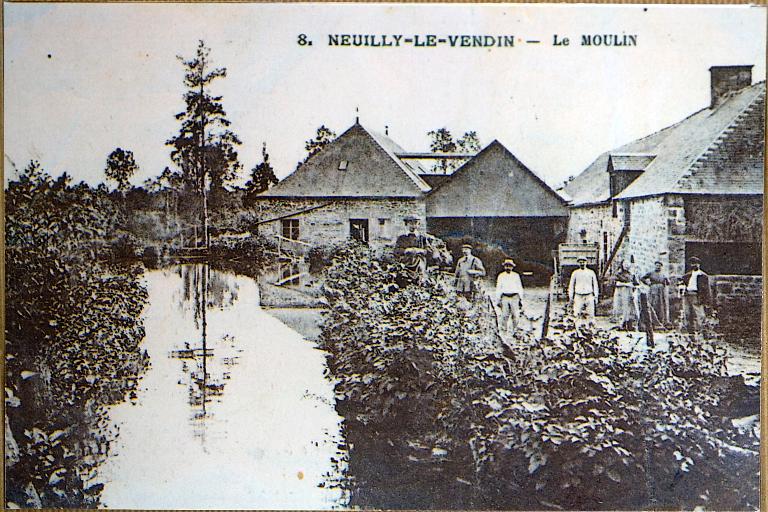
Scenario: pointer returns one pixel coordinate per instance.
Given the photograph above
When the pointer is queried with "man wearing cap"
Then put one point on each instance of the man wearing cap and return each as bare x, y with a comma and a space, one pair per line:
583, 291
509, 292
411, 248
697, 295
468, 269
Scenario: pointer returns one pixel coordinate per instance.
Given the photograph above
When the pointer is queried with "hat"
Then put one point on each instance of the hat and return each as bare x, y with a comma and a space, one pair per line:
410, 218
694, 260
466, 246
509, 261
579, 260
657, 263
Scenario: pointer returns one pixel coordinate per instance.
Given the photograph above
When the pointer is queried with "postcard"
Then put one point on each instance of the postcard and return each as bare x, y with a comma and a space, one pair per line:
383, 256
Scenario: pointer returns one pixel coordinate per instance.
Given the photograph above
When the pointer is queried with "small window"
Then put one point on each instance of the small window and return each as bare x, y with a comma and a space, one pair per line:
291, 229
384, 228
343, 165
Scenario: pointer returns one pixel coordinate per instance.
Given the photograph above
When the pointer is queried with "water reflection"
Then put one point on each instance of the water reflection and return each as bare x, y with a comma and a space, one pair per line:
206, 363
235, 411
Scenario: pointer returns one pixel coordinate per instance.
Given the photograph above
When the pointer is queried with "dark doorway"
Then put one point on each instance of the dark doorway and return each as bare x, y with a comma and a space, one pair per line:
727, 258
358, 229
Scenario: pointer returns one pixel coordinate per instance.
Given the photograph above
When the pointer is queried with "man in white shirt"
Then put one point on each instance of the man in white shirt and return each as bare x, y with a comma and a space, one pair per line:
509, 297
583, 292
698, 296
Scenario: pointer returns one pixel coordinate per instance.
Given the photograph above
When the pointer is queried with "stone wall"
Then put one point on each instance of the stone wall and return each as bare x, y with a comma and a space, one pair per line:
737, 291
738, 300
329, 222
647, 239
595, 224
724, 218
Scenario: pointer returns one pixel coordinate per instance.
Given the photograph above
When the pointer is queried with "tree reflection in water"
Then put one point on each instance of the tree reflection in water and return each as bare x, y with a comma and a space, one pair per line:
205, 362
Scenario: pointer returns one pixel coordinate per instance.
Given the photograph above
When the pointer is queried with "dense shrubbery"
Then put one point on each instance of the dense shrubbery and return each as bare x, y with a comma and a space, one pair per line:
248, 254
72, 337
450, 420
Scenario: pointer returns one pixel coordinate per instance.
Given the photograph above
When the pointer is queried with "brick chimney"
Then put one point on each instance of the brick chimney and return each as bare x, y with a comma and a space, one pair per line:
728, 79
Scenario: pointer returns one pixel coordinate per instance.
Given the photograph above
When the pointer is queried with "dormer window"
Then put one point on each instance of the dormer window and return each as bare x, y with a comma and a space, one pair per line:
343, 165
624, 168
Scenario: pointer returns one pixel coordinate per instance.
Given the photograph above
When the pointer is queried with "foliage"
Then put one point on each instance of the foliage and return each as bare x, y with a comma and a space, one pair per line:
442, 141
262, 177
573, 421
323, 137
120, 167
72, 335
204, 146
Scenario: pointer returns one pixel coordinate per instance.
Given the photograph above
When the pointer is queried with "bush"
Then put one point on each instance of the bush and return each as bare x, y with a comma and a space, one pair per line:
73, 329
571, 421
125, 246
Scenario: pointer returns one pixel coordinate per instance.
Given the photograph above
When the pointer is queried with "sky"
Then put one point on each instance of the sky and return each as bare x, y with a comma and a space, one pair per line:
83, 79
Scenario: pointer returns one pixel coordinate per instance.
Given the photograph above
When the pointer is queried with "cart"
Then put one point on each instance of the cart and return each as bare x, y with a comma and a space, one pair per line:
566, 261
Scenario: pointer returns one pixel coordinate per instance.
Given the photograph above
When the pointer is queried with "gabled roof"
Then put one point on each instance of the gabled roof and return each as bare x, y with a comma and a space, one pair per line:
494, 184
372, 170
695, 155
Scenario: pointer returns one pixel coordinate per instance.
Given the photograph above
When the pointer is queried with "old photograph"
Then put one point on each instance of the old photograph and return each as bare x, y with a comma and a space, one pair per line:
383, 256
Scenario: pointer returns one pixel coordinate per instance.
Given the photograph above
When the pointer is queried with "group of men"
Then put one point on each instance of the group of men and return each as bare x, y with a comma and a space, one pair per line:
583, 286
509, 287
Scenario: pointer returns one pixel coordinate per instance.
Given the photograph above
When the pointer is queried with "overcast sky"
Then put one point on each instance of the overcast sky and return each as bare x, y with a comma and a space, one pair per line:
82, 79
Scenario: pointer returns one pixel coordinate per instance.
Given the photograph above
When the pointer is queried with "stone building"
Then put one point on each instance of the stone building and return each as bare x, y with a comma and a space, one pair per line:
355, 187
495, 198
692, 189
363, 185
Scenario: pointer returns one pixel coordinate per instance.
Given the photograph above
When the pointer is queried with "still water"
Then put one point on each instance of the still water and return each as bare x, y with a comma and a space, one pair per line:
234, 411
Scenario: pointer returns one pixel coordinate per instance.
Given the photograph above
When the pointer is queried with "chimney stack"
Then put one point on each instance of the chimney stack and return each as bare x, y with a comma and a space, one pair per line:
728, 79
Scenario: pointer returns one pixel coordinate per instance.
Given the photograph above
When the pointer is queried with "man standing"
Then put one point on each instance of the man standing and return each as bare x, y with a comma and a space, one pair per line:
468, 269
509, 293
697, 295
411, 248
583, 292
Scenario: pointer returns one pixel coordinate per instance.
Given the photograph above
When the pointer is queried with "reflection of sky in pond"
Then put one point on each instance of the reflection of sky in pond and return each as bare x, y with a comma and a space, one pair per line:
234, 411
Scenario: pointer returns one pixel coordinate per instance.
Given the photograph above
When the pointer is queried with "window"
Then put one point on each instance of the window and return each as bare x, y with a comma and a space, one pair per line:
358, 229
291, 228
289, 274
385, 228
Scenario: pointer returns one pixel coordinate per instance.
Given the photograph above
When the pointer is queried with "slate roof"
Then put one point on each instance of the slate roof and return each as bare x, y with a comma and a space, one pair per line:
693, 156
435, 180
372, 170
494, 184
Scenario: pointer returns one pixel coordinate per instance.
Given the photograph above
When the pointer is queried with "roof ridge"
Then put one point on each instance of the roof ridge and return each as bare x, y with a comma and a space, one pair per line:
699, 161
465, 164
505, 150
420, 183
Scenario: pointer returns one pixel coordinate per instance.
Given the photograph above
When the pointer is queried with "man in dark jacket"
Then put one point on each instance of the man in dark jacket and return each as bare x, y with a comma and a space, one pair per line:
697, 295
411, 248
